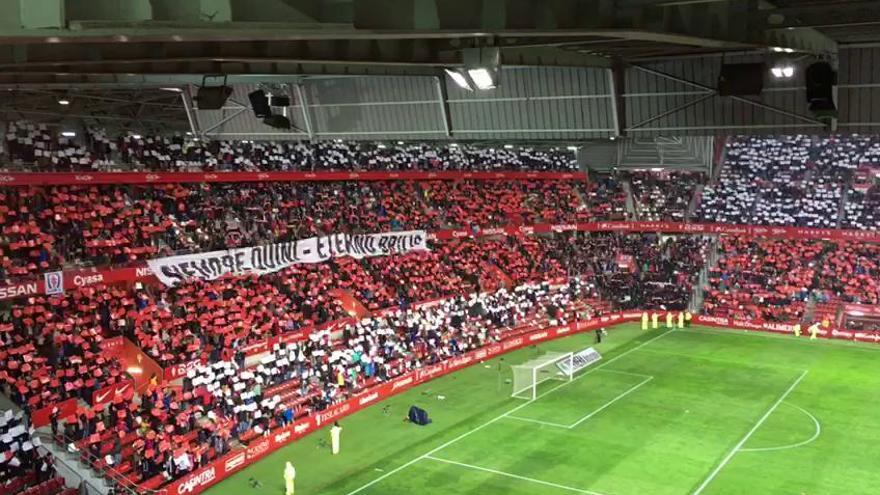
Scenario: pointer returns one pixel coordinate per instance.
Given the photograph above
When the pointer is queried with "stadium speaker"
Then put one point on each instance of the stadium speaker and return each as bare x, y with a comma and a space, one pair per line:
741, 79
820, 81
279, 101
418, 416
213, 97
260, 104
277, 121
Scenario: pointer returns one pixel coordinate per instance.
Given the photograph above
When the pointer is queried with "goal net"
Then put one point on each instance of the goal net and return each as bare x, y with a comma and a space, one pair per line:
527, 376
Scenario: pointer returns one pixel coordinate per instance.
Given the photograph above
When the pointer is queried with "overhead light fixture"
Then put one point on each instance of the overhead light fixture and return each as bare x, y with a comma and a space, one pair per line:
459, 79
613, 138
453, 145
400, 143
173, 90
64, 101
788, 50
136, 136
483, 66
381, 146
68, 134
482, 78
572, 148
785, 71
508, 146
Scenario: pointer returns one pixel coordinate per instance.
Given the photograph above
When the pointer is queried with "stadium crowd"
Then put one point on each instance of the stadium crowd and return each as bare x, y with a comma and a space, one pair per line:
44, 228
46, 149
426, 306
22, 464
173, 431
791, 180
663, 196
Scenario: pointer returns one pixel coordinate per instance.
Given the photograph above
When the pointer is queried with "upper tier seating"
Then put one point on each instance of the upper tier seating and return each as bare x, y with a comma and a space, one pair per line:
788, 180
40, 148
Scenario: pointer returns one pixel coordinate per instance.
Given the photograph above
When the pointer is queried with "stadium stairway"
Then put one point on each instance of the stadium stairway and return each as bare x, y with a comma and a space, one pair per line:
630, 201
74, 471
694, 203
698, 290
841, 207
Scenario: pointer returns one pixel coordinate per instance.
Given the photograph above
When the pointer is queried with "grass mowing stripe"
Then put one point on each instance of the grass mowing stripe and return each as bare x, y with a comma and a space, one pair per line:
497, 418
612, 401
742, 442
514, 476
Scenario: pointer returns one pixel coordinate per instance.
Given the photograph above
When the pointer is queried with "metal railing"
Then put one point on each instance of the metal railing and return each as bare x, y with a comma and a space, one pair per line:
111, 476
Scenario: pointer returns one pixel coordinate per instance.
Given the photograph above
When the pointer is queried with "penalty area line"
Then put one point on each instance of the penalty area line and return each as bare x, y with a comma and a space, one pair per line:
745, 439
510, 475
612, 401
499, 417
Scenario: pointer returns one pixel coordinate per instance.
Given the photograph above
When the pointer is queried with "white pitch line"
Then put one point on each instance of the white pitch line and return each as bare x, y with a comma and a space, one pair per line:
612, 401
499, 417
816, 434
530, 420
514, 476
742, 442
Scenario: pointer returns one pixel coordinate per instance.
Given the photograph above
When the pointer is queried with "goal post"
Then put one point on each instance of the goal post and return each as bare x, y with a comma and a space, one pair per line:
551, 366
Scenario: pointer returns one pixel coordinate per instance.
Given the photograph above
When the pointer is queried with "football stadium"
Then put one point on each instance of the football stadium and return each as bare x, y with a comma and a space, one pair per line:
439, 247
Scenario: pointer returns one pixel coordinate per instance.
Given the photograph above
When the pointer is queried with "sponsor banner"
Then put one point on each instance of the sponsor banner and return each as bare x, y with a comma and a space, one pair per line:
668, 227
124, 390
20, 290
859, 310
579, 361
274, 257
772, 327
172, 373
42, 417
61, 178
203, 478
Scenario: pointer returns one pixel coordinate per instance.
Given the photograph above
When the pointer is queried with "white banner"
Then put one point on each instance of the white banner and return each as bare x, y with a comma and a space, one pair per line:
274, 257
579, 361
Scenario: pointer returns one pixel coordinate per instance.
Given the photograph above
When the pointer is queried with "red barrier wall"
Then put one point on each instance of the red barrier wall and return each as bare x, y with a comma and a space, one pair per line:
87, 178
42, 417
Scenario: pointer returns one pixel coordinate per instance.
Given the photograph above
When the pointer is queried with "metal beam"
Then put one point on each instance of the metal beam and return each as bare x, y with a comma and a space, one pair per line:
754, 103
300, 96
671, 111
442, 100
191, 116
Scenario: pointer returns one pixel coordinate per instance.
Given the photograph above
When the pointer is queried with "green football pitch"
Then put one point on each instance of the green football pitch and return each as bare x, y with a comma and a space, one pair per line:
696, 411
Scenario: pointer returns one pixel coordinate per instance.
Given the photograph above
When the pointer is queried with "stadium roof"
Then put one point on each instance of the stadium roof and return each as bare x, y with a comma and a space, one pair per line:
109, 50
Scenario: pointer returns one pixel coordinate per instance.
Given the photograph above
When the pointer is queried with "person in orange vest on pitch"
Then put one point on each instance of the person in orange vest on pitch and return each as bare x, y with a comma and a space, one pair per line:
655, 320
644, 320
669, 319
